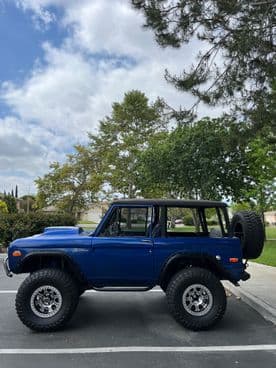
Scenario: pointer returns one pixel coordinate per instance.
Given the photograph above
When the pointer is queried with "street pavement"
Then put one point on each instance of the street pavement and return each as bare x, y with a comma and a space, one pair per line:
108, 327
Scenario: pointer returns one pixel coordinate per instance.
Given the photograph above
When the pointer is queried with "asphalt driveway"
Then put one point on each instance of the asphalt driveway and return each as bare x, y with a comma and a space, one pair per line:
134, 330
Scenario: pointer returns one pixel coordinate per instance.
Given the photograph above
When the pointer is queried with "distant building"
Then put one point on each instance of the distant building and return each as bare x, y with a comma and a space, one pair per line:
270, 217
49, 209
94, 213
19, 203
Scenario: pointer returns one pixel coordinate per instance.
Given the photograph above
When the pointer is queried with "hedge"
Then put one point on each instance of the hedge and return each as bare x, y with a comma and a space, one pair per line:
212, 222
18, 225
189, 221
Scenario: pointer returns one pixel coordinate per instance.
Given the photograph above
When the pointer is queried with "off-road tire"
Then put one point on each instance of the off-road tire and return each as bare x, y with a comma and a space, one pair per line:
68, 289
176, 288
81, 290
248, 226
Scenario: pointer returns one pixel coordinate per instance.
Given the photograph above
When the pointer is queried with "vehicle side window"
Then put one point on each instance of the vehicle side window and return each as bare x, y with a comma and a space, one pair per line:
215, 222
128, 221
185, 221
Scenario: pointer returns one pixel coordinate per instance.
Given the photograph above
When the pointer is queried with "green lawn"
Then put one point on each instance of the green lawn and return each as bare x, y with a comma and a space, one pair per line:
88, 222
270, 232
182, 229
268, 257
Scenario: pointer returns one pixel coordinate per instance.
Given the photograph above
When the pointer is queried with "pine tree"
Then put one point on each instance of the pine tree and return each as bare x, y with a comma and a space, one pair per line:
237, 66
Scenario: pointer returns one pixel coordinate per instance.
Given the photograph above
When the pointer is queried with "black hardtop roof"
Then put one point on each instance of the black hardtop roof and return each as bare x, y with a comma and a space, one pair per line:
170, 202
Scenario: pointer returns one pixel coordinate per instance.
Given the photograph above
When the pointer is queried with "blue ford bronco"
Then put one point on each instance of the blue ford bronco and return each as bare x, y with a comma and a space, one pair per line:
184, 247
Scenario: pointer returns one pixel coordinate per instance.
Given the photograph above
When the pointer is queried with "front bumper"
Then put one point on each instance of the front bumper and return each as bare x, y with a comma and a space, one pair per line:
7, 268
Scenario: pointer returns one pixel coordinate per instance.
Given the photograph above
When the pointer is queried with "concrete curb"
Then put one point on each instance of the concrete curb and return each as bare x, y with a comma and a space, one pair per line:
265, 310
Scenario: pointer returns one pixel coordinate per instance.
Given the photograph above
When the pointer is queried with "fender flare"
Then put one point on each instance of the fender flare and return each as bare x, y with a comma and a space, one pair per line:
201, 259
74, 267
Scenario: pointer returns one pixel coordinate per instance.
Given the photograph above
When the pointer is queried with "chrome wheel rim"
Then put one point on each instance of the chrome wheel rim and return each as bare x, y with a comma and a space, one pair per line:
46, 301
197, 300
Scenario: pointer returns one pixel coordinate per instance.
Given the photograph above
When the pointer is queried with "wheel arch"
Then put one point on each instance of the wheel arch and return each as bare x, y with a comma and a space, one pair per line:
37, 260
179, 261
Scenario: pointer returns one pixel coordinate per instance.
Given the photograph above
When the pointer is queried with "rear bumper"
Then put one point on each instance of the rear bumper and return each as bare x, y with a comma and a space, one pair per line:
7, 268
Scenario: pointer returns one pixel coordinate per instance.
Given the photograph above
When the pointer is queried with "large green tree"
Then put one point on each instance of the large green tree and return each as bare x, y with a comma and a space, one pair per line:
202, 161
123, 135
70, 186
261, 161
236, 63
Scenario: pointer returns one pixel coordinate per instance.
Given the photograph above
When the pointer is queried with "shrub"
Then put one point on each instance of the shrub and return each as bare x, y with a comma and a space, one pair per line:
11, 203
212, 222
18, 225
188, 220
3, 207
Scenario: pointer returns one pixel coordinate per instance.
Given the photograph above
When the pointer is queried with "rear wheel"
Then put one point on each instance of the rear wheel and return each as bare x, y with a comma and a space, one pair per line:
196, 298
46, 300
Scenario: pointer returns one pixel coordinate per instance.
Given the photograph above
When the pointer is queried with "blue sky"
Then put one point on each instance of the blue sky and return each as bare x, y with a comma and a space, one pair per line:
21, 42
62, 65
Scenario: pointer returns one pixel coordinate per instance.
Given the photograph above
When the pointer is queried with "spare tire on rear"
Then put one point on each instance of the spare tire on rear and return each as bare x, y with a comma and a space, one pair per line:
248, 227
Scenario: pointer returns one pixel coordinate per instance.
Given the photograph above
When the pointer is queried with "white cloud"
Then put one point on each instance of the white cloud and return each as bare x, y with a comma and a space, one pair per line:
106, 54
25, 152
72, 93
57, 96
116, 29
42, 17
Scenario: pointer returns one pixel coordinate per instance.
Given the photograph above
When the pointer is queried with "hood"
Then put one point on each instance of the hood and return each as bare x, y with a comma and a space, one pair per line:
62, 230
56, 236
61, 237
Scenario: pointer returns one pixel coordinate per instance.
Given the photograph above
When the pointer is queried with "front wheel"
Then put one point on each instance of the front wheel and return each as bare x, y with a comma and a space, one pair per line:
46, 300
196, 298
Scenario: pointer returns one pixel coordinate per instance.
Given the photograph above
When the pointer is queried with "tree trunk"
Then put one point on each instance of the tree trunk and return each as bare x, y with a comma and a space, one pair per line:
196, 221
130, 193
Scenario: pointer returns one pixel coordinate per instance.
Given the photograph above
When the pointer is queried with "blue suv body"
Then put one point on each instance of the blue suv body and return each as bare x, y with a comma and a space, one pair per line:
176, 244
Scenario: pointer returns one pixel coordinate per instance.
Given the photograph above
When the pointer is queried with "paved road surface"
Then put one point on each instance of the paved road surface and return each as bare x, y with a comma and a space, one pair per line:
134, 321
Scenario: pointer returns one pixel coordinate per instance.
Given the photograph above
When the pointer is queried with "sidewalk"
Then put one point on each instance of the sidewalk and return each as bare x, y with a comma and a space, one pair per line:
259, 291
